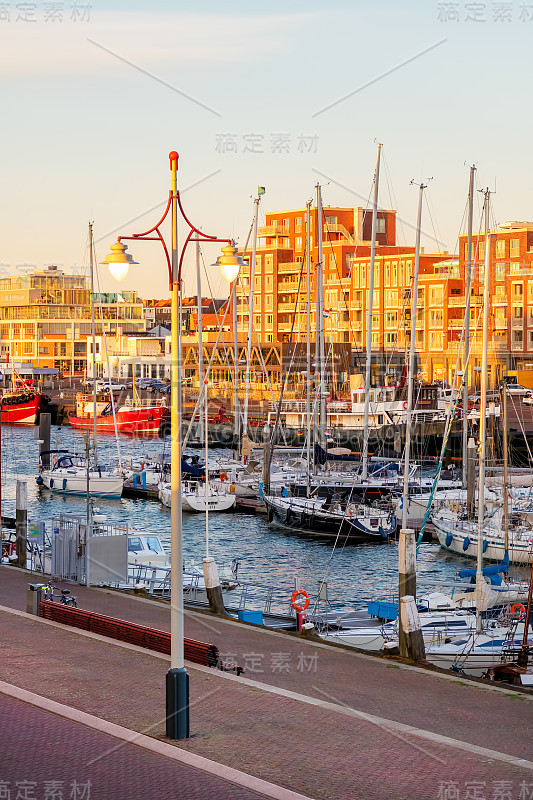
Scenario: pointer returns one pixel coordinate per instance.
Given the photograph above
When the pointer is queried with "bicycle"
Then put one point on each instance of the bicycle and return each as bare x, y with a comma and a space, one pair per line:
65, 598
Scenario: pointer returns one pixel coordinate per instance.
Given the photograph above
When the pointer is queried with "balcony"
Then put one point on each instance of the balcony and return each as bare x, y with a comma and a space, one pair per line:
271, 230
337, 228
290, 266
500, 324
499, 300
475, 301
291, 307
292, 286
455, 324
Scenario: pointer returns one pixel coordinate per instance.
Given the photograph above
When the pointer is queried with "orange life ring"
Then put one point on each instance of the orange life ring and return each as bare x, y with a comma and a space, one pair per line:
223, 477
519, 607
405, 405
297, 594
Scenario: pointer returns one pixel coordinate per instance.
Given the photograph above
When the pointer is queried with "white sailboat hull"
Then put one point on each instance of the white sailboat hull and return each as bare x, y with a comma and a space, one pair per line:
67, 481
455, 540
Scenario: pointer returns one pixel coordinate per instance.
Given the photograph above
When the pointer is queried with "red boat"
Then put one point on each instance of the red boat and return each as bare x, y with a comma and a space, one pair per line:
135, 417
20, 407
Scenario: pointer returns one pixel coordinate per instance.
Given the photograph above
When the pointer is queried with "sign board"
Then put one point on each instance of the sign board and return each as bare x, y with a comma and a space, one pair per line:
36, 532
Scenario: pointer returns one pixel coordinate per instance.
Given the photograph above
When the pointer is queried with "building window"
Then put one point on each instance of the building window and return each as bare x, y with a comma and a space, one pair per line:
518, 338
500, 248
298, 224
286, 224
518, 312
518, 290
380, 225
500, 271
515, 248
298, 243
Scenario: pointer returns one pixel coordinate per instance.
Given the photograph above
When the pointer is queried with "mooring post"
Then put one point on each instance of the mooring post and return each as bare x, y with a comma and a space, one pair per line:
21, 521
45, 421
213, 587
410, 627
408, 638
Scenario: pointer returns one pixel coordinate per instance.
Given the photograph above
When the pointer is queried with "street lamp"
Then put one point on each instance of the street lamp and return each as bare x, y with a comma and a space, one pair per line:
177, 679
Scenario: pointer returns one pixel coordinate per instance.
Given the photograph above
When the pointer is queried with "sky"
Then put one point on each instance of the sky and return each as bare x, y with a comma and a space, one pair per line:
280, 95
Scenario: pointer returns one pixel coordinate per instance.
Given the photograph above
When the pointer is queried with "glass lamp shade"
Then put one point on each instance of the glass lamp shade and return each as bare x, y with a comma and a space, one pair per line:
229, 263
118, 260
119, 271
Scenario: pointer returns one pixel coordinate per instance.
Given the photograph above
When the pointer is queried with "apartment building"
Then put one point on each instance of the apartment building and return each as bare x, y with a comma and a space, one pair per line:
45, 318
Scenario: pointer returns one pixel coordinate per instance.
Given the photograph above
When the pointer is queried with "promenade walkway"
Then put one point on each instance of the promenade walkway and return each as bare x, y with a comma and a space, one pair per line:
312, 719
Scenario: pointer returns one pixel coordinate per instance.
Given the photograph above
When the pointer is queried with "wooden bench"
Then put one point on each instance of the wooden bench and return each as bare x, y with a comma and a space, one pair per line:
198, 652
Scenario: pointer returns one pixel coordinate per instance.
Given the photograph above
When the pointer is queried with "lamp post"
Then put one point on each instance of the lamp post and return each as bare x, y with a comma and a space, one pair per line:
177, 679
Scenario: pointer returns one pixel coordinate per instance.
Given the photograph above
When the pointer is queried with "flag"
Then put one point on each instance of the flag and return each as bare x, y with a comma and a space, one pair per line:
120, 299
325, 313
261, 190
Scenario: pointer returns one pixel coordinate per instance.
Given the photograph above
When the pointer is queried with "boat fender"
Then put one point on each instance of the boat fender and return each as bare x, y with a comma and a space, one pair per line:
223, 477
51, 483
405, 405
455, 507
232, 488
64, 483
39, 480
270, 515
485, 545
382, 532
295, 595
449, 539
466, 543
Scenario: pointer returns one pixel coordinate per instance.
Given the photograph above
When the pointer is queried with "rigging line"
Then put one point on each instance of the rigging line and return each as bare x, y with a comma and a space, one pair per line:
95, 267
262, 360
207, 371
392, 194
348, 277
450, 415
226, 352
285, 382
522, 428
436, 235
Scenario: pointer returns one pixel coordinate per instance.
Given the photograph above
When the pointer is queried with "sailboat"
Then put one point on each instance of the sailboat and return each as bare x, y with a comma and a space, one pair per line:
484, 646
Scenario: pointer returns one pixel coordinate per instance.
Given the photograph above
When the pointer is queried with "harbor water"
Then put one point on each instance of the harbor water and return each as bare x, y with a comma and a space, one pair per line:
355, 574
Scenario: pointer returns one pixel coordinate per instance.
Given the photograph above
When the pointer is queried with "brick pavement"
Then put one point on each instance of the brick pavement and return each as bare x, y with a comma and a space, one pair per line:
44, 754
313, 750
448, 706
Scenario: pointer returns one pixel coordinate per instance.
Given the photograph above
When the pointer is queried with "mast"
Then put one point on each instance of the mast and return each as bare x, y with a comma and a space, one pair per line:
410, 375
369, 316
320, 402
250, 316
483, 420
236, 404
505, 474
200, 340
308, 372
93, 334
466, 365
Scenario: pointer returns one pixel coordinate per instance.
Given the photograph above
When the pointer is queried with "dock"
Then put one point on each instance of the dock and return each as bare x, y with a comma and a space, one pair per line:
305, 720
